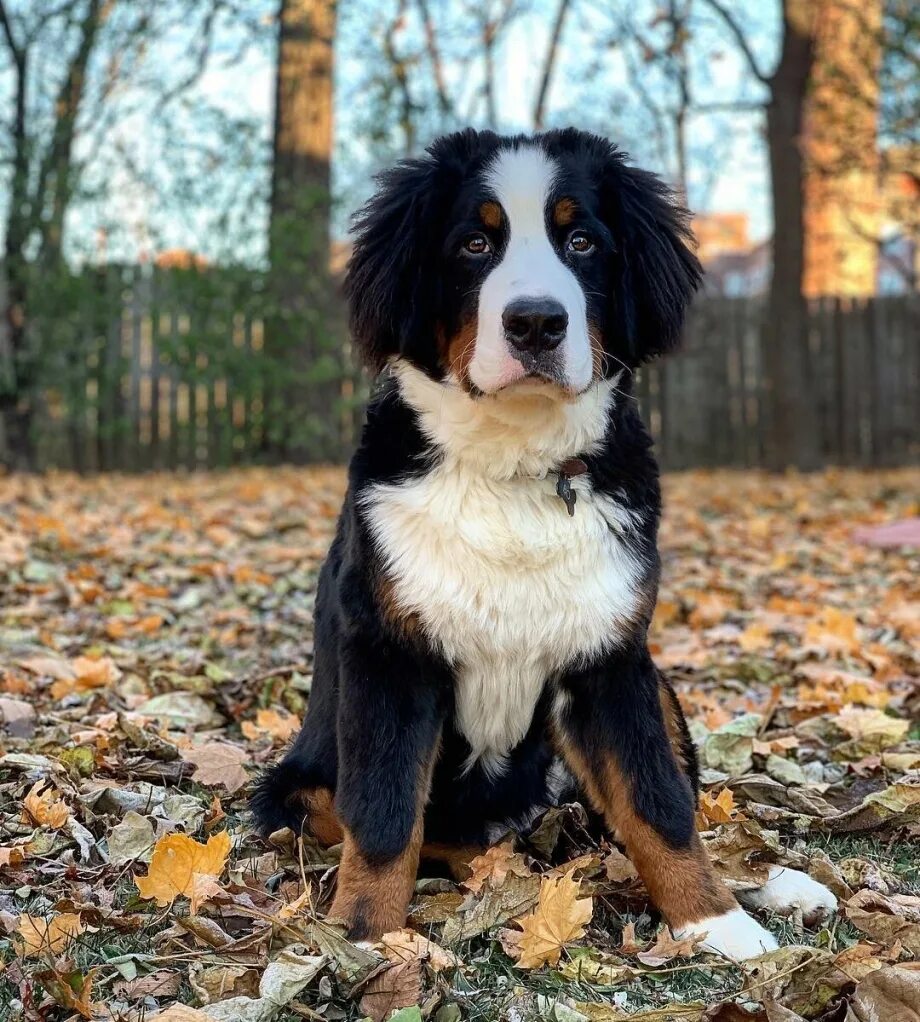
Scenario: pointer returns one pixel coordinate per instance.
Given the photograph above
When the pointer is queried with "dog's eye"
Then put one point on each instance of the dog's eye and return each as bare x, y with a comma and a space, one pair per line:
579, 242
477, 244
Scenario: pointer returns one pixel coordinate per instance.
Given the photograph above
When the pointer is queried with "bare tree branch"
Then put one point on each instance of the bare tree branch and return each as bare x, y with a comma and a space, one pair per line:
434, 54
17, 52
549, 63
732, 25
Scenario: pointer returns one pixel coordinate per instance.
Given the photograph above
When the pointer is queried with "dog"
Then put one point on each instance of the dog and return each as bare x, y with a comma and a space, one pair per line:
481, 618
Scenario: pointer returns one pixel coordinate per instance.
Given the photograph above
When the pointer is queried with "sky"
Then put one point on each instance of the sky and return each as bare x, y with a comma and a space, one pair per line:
226, 123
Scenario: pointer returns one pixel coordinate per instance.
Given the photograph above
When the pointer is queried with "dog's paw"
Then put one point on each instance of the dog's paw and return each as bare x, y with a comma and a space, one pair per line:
733, 934
787, 890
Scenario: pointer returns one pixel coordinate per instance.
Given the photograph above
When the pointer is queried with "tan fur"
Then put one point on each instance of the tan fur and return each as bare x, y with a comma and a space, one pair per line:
456, 858
374, 899
491, 214
682, 884
406, 622
321, 820
564, 212
670, 710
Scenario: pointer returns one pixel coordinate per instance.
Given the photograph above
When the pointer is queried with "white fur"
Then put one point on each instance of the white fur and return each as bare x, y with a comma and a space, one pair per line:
733, 934
507, 584
521, 180
789, 889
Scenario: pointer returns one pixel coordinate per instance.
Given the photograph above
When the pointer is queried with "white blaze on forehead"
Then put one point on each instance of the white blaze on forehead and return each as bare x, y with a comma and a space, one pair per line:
522, 181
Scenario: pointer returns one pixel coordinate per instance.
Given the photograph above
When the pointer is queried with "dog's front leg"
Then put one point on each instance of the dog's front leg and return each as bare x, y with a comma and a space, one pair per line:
612, 732
389, 723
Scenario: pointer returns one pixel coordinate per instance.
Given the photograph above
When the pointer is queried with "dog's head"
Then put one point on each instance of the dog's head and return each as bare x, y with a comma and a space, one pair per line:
494, 260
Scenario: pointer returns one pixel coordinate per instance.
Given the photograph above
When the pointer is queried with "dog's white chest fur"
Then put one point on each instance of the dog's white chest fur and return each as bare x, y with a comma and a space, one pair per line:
509, 586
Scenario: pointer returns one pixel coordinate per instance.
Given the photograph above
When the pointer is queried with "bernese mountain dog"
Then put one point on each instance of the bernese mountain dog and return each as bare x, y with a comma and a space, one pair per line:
481, 619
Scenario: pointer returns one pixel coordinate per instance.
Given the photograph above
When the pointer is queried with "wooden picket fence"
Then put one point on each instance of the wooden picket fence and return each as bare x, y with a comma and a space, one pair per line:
165, 369
707, 406
152, 380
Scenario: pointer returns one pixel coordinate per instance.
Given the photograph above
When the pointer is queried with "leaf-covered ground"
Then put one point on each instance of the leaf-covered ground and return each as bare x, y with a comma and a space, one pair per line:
155, 651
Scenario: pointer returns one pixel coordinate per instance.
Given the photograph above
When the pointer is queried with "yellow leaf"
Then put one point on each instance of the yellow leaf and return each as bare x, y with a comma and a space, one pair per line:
88, 673
834, 630
44, 807
35, 935
176, 862
560, 917
755, 637
718, 810
281, 726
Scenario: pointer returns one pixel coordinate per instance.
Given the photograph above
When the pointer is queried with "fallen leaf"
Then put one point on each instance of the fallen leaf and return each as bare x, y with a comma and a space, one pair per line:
36, 935
177, 860
204, 888
280, 725
401, 945
618, 867
86, 673
494, 865
70, 989
889, 995
666, 947
163, 983
132, 839
629, 943
400, 986
218, 763
719, 809
886, 919
870, 731
44, 807
559, 918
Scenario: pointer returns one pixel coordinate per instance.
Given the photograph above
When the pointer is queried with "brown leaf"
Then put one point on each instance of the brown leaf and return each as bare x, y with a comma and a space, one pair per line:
401, 945
889, 995
666, 947
494, 865
560, 917
86, 673
218, 763
398, 987
619, 868
163, 983
886, 919
629, 943
70, 989
720, 809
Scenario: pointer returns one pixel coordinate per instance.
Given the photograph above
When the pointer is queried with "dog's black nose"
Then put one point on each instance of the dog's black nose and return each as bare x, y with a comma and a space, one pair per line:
535, 324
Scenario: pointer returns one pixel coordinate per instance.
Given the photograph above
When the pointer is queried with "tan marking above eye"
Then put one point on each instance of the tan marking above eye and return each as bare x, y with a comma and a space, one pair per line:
564, 212
491, 214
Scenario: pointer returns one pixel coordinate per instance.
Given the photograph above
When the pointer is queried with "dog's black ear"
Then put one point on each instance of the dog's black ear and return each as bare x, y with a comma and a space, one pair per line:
656, 271
385, 280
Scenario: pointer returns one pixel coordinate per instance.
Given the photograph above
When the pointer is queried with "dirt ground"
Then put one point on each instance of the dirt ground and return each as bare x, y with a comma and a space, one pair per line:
155, 652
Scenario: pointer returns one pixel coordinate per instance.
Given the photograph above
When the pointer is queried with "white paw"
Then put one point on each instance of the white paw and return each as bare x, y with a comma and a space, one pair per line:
733, 934
787, 890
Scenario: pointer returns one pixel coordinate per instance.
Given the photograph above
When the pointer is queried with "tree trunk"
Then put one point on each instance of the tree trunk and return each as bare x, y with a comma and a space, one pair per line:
303, 332
792, 438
